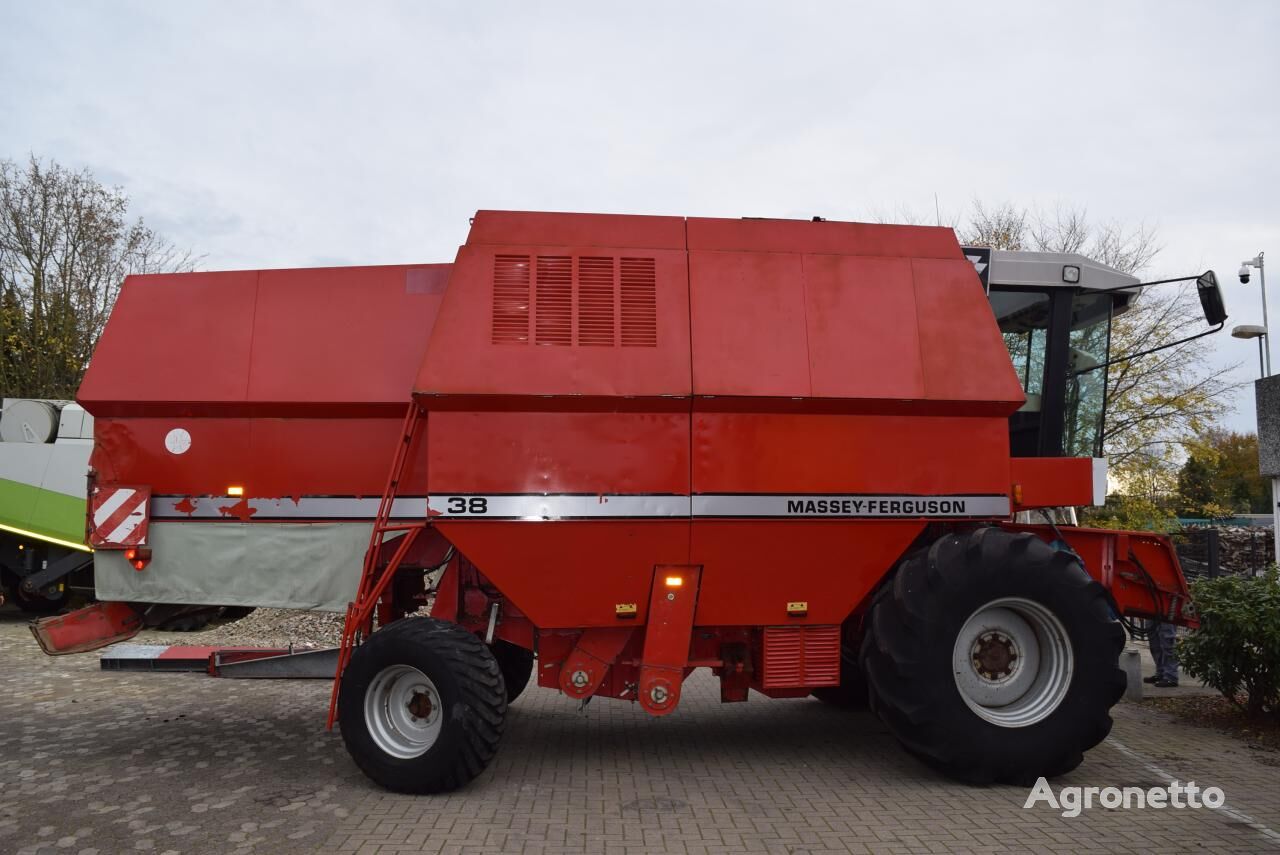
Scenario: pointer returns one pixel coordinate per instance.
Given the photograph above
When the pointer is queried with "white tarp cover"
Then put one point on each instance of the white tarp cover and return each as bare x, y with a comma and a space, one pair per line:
275, 565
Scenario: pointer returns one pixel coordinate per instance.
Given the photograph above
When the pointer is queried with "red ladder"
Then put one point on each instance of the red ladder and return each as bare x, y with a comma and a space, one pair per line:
377, 574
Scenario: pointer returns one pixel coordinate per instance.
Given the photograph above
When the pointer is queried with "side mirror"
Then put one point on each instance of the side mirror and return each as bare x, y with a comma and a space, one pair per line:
1215, 311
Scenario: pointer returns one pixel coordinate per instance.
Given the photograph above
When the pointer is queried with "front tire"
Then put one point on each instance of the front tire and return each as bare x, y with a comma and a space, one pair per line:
422, 706
994, 657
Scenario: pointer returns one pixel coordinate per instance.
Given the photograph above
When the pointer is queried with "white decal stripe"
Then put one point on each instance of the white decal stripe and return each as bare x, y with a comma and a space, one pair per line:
306, 507
536, 507
577, 506
850, 507
111, 505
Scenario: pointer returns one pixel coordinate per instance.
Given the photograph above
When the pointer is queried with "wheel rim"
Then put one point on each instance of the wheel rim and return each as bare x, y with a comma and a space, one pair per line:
1013, 662
403, 711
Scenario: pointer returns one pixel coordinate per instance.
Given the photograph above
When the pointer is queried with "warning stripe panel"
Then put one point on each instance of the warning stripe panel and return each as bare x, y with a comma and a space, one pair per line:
119, 516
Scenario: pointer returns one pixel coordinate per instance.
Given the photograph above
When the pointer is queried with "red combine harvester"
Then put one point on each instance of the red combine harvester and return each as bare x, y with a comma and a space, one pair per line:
796, 453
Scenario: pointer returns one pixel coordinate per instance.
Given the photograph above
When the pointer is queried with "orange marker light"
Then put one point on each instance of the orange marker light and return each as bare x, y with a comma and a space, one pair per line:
674, 581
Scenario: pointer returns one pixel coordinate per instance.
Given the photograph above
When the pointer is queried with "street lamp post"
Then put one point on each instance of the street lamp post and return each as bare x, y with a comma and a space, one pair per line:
1257, 263
1248, 331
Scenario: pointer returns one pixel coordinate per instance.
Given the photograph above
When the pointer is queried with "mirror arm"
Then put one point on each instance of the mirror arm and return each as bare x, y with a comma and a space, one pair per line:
1120, 359
1140, 285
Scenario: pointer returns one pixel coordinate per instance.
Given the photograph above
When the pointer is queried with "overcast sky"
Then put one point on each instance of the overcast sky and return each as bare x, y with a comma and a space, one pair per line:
276, 134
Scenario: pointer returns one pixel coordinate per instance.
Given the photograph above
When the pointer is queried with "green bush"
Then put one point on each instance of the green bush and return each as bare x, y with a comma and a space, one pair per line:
1236, 650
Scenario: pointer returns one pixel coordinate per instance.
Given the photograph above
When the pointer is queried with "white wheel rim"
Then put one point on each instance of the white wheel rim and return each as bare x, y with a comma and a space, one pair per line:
1012, 661
403, 711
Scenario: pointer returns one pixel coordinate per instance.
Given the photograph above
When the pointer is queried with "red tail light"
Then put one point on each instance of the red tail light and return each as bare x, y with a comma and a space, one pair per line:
138, 556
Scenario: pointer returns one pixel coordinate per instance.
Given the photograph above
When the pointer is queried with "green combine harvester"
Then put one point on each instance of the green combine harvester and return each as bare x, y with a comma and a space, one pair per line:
45, 564
44, 464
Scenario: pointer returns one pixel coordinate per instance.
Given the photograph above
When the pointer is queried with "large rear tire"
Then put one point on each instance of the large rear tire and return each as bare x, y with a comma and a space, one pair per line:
422, 706
516, 663
994, 657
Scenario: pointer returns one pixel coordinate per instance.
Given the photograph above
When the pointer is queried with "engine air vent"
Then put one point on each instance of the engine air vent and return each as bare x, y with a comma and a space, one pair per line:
553, 301
596, 317
639, 303
796, 656
589, 301
511, 299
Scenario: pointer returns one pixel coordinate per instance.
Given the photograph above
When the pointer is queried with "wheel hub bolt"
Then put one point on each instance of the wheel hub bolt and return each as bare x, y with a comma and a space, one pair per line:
994, 656
658, 694
579, 679
419, 705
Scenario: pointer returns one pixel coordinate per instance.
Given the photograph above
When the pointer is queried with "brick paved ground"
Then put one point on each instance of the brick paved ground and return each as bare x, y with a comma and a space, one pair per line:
95, 762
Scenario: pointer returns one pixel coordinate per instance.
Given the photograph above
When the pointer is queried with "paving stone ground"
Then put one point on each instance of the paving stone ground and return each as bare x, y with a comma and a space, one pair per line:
109, 762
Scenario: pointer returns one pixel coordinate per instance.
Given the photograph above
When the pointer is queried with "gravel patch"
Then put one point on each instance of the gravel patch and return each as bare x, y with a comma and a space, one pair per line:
261, 628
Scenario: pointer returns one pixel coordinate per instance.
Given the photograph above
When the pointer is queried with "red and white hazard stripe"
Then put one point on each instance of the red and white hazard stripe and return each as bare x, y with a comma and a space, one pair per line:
119, 517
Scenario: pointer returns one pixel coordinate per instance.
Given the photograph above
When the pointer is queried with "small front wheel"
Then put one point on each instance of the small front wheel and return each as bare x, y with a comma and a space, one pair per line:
422, 706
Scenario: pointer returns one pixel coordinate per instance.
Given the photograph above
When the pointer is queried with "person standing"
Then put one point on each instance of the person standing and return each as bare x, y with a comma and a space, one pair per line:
1162, 639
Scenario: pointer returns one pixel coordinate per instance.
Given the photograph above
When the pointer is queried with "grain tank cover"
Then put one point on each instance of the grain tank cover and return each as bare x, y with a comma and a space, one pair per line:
890, 317
325, 341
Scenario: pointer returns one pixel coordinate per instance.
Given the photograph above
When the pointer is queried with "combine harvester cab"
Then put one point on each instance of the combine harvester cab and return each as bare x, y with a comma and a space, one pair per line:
638, 446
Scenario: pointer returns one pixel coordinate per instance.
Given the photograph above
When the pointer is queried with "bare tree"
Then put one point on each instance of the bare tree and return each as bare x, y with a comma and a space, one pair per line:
1004, 227
66, 244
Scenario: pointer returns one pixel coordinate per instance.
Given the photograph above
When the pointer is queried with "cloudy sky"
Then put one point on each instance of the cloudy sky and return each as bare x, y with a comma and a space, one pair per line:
278, 134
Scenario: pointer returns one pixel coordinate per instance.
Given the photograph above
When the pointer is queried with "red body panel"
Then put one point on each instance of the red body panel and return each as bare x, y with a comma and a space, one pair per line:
572, 573
1043, 482
752, 569
763, 376
538, 353
289, 382
752, 452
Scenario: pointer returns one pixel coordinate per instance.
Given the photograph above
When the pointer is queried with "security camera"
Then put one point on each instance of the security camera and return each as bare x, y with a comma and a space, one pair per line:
1244, 273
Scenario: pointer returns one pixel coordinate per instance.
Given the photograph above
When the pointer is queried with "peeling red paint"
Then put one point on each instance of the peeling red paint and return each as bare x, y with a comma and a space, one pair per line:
432, 512
186, 506
240, 510
297, 498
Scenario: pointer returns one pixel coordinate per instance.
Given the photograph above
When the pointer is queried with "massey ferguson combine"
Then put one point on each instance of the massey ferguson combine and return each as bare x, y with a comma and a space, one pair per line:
816, 458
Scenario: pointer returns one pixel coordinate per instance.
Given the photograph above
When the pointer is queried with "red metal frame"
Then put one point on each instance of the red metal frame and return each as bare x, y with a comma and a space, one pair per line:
1139, 569
375, 576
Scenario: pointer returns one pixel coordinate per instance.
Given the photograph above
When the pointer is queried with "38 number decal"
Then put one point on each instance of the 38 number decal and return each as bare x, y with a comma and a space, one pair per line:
465, 505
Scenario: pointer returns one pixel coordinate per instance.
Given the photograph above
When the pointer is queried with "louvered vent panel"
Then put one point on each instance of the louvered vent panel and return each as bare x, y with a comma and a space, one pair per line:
511, 299
639, 303
796, 656
596, 318
553, 305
